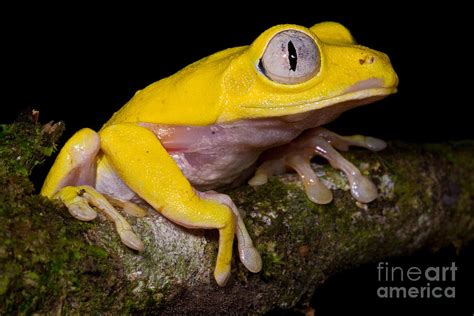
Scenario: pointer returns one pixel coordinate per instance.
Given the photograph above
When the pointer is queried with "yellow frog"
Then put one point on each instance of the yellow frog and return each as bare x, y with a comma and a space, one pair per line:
206, 126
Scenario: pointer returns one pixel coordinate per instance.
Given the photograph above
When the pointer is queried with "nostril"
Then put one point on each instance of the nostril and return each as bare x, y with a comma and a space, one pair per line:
368, 59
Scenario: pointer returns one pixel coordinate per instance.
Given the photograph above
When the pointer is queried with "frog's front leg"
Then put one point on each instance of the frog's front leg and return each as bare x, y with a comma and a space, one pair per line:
322, 142
140, 160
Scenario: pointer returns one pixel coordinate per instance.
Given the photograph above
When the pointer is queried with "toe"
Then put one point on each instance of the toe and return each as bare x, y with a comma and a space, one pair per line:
258, 179
251, 259
82, 211
363, 190
318, 193
375, 144
222, 275
131, 240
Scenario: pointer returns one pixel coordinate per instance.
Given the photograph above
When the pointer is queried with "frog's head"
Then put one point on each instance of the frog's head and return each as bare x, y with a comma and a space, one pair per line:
290, 69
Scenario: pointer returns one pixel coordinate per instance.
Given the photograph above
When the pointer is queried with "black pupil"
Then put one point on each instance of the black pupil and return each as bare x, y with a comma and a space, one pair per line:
292, 57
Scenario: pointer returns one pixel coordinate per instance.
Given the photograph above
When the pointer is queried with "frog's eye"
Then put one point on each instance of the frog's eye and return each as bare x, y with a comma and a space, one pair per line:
290, 57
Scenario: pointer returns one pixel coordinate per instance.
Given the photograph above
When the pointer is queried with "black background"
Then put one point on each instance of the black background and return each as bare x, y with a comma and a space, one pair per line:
80, 64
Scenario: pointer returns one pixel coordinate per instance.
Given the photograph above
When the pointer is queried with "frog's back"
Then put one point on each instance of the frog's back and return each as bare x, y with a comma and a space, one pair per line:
179, 99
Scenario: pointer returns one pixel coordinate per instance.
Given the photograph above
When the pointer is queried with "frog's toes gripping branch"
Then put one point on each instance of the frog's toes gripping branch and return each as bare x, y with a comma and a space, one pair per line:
322, 142
78, 200
249, 255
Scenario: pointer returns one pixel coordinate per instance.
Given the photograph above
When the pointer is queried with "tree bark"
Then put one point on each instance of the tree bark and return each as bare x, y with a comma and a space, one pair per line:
50, 262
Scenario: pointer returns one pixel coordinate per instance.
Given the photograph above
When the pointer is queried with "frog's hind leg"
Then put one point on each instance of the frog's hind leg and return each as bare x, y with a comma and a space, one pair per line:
75, 163
145, 166
71, 180
320, 141
248, 254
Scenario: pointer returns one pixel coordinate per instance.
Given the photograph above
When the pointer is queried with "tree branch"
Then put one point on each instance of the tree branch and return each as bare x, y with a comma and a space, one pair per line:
51, 262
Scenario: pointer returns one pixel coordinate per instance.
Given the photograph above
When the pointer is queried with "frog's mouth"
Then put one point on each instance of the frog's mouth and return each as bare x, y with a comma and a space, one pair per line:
364, 92
361, 93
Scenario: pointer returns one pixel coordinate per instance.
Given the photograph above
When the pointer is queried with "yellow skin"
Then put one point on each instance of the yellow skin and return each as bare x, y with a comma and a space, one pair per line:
138, 154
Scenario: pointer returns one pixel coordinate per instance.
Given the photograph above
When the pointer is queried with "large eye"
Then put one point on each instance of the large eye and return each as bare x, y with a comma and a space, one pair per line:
290, 57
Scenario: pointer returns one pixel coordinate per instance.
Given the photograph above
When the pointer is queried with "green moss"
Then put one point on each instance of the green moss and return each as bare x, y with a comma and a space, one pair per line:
22, 145
4, 281
42, 257
271, 259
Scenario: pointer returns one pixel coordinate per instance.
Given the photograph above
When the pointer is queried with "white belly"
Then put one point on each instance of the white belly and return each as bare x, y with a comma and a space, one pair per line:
221, 154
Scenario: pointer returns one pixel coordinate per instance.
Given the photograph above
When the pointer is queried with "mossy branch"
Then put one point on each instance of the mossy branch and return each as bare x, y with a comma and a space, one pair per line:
50, 262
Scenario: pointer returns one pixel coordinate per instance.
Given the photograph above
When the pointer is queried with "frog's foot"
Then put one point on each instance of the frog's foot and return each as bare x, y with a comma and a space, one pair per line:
130, 208
320, 141
248, 254
78, 200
